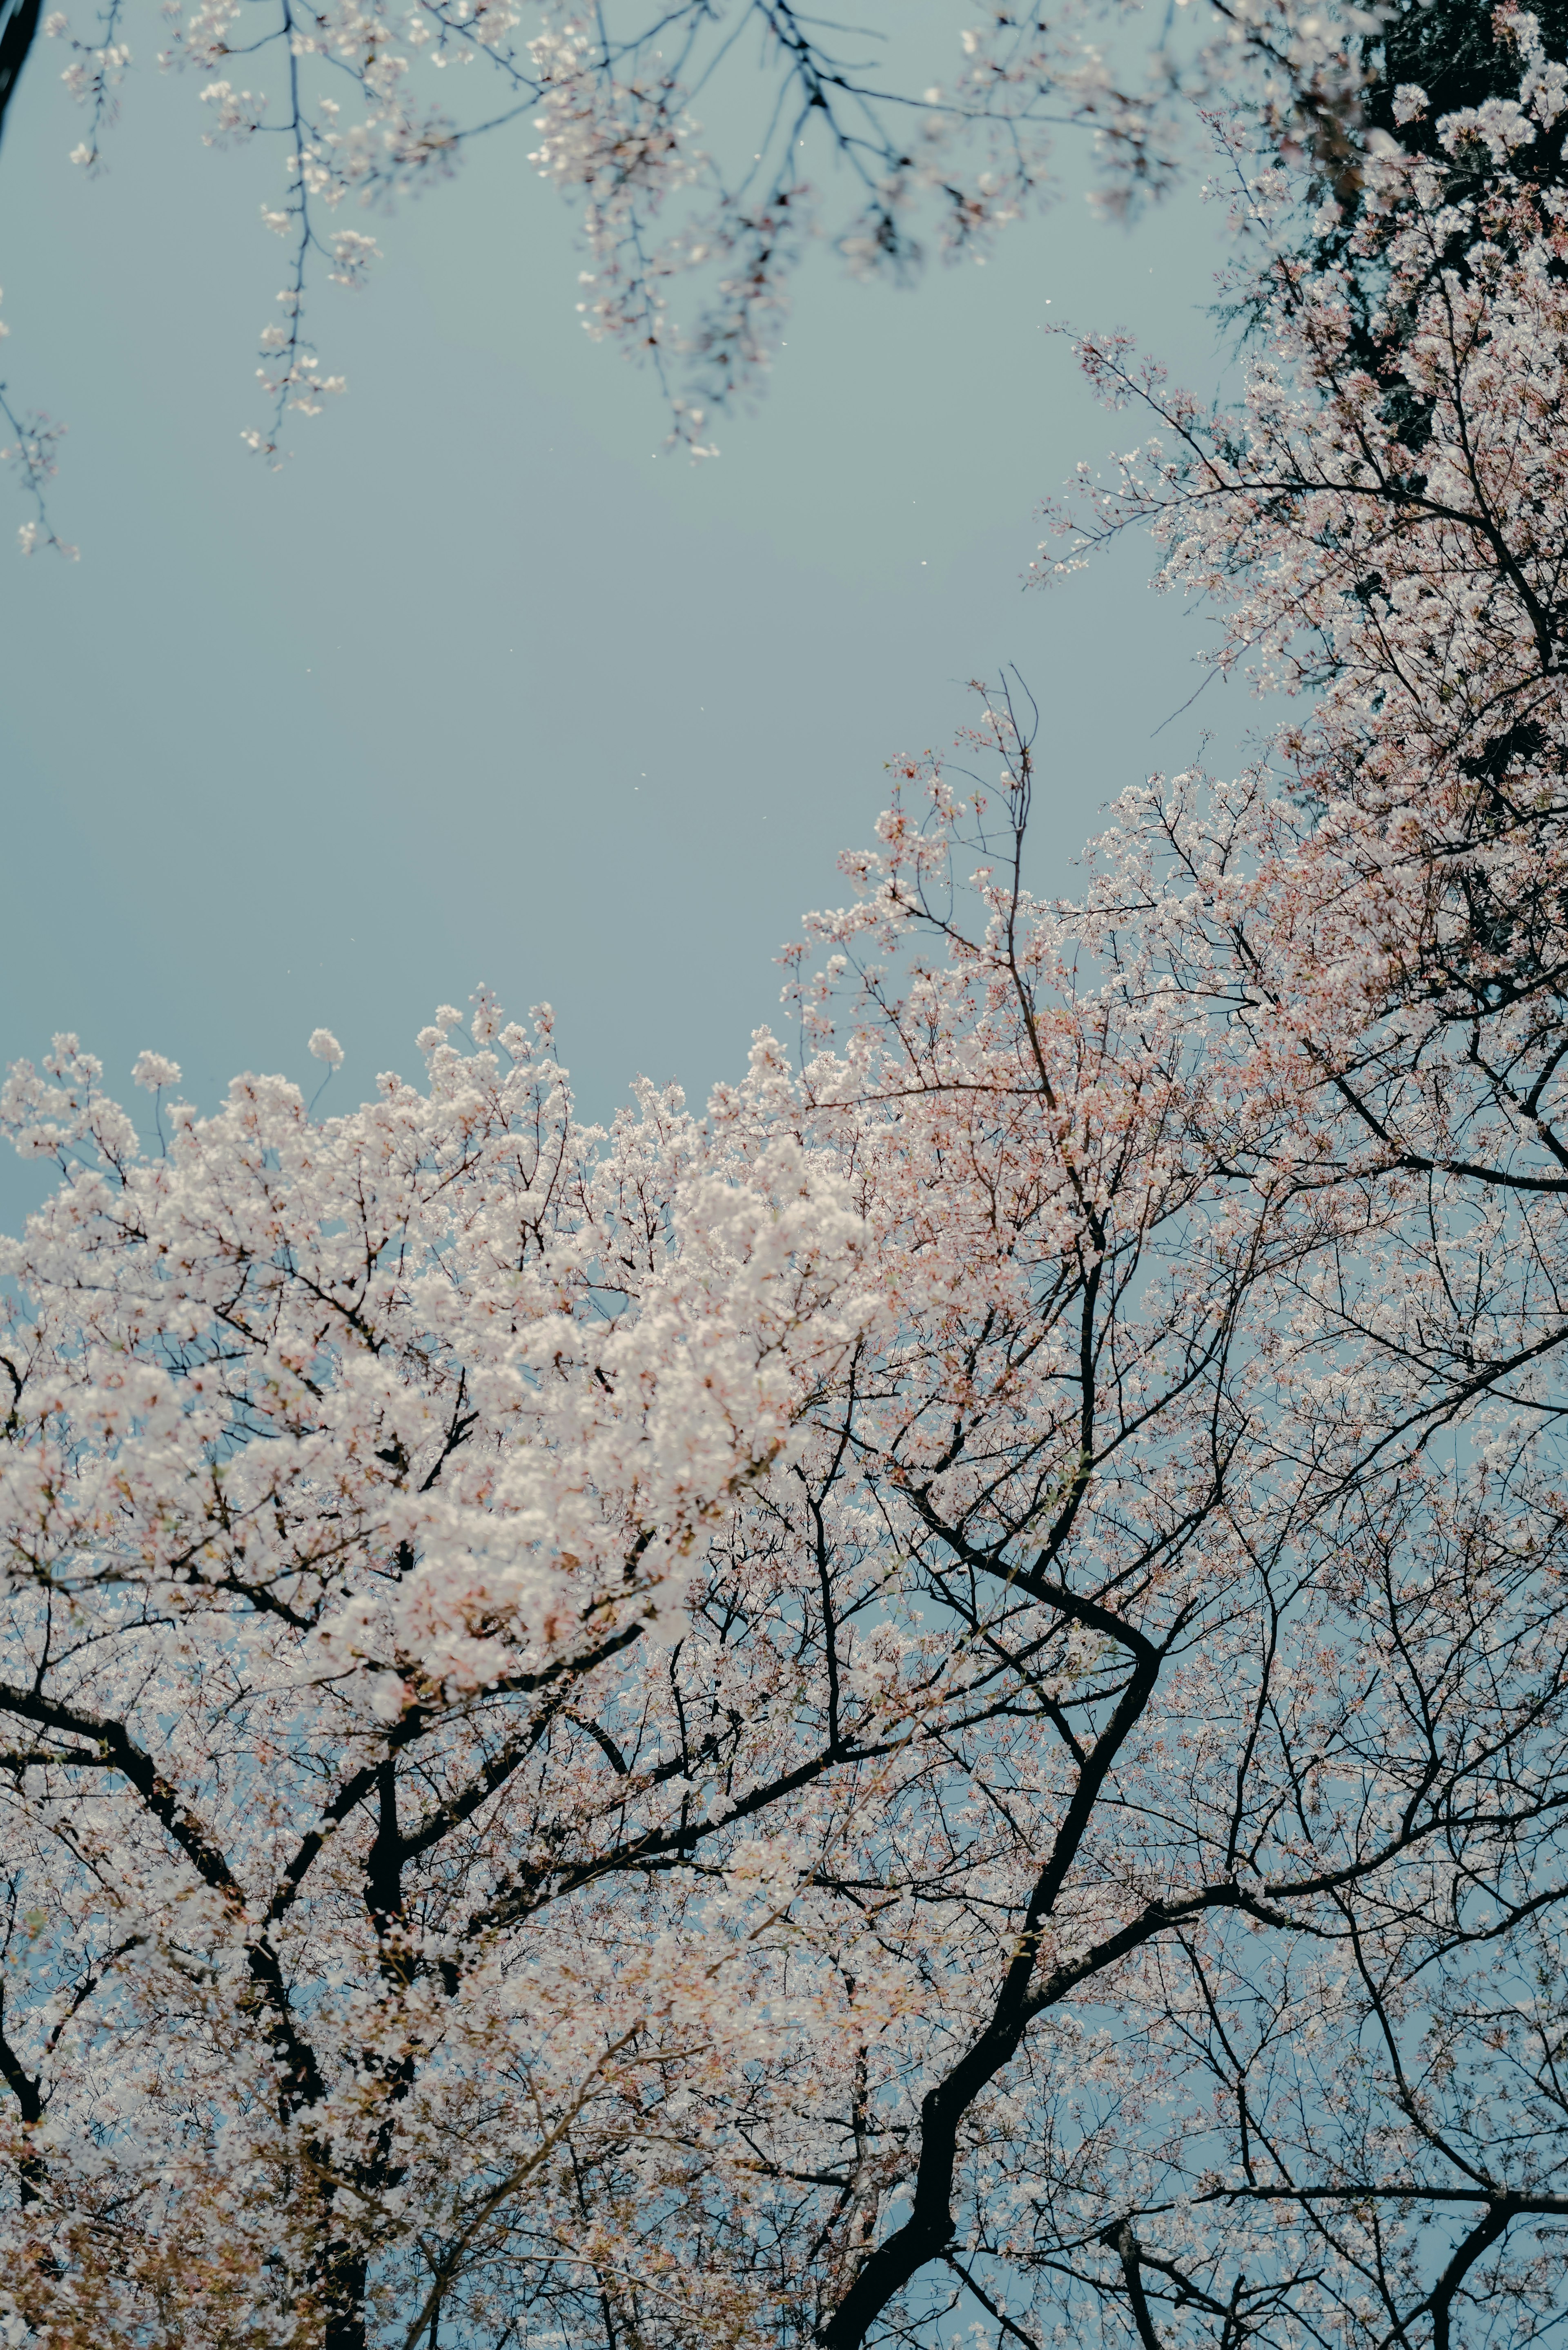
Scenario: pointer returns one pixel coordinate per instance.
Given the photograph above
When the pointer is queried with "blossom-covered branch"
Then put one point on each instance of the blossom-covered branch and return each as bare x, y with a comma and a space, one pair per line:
693, 185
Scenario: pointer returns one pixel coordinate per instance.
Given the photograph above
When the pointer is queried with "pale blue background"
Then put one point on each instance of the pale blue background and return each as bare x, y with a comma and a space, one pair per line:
480, 686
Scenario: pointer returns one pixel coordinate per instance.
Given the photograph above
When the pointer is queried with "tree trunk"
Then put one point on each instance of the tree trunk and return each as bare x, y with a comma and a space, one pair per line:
20, 24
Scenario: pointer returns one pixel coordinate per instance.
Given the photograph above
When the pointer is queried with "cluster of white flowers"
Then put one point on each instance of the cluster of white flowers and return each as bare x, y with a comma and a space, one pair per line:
960, 1669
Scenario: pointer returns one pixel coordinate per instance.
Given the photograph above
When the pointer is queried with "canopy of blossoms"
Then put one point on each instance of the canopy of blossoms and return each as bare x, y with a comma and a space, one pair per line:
939, 1696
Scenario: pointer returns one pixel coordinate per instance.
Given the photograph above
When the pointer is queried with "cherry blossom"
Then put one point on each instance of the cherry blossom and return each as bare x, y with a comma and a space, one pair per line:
683, 193
939, 1696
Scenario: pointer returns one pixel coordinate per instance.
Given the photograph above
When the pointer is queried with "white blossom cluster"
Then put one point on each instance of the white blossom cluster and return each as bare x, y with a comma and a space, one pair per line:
943, 1690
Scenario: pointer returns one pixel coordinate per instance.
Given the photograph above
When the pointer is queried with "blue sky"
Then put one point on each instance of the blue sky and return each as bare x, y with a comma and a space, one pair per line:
482, 686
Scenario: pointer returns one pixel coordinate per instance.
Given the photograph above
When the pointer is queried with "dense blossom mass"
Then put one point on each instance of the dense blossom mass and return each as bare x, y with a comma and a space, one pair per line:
938, 1698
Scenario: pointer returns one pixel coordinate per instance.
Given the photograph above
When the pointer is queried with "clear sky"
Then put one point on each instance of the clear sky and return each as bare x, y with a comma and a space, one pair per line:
481, 686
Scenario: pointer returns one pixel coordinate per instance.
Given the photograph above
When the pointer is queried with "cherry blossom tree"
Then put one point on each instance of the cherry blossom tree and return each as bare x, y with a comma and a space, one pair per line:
695, 185
940, 1698
705, 148
421, 1571
698, 185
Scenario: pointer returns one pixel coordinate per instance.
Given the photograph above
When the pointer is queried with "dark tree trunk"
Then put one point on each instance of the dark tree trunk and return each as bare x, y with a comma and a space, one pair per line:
343, 2310
18, 24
